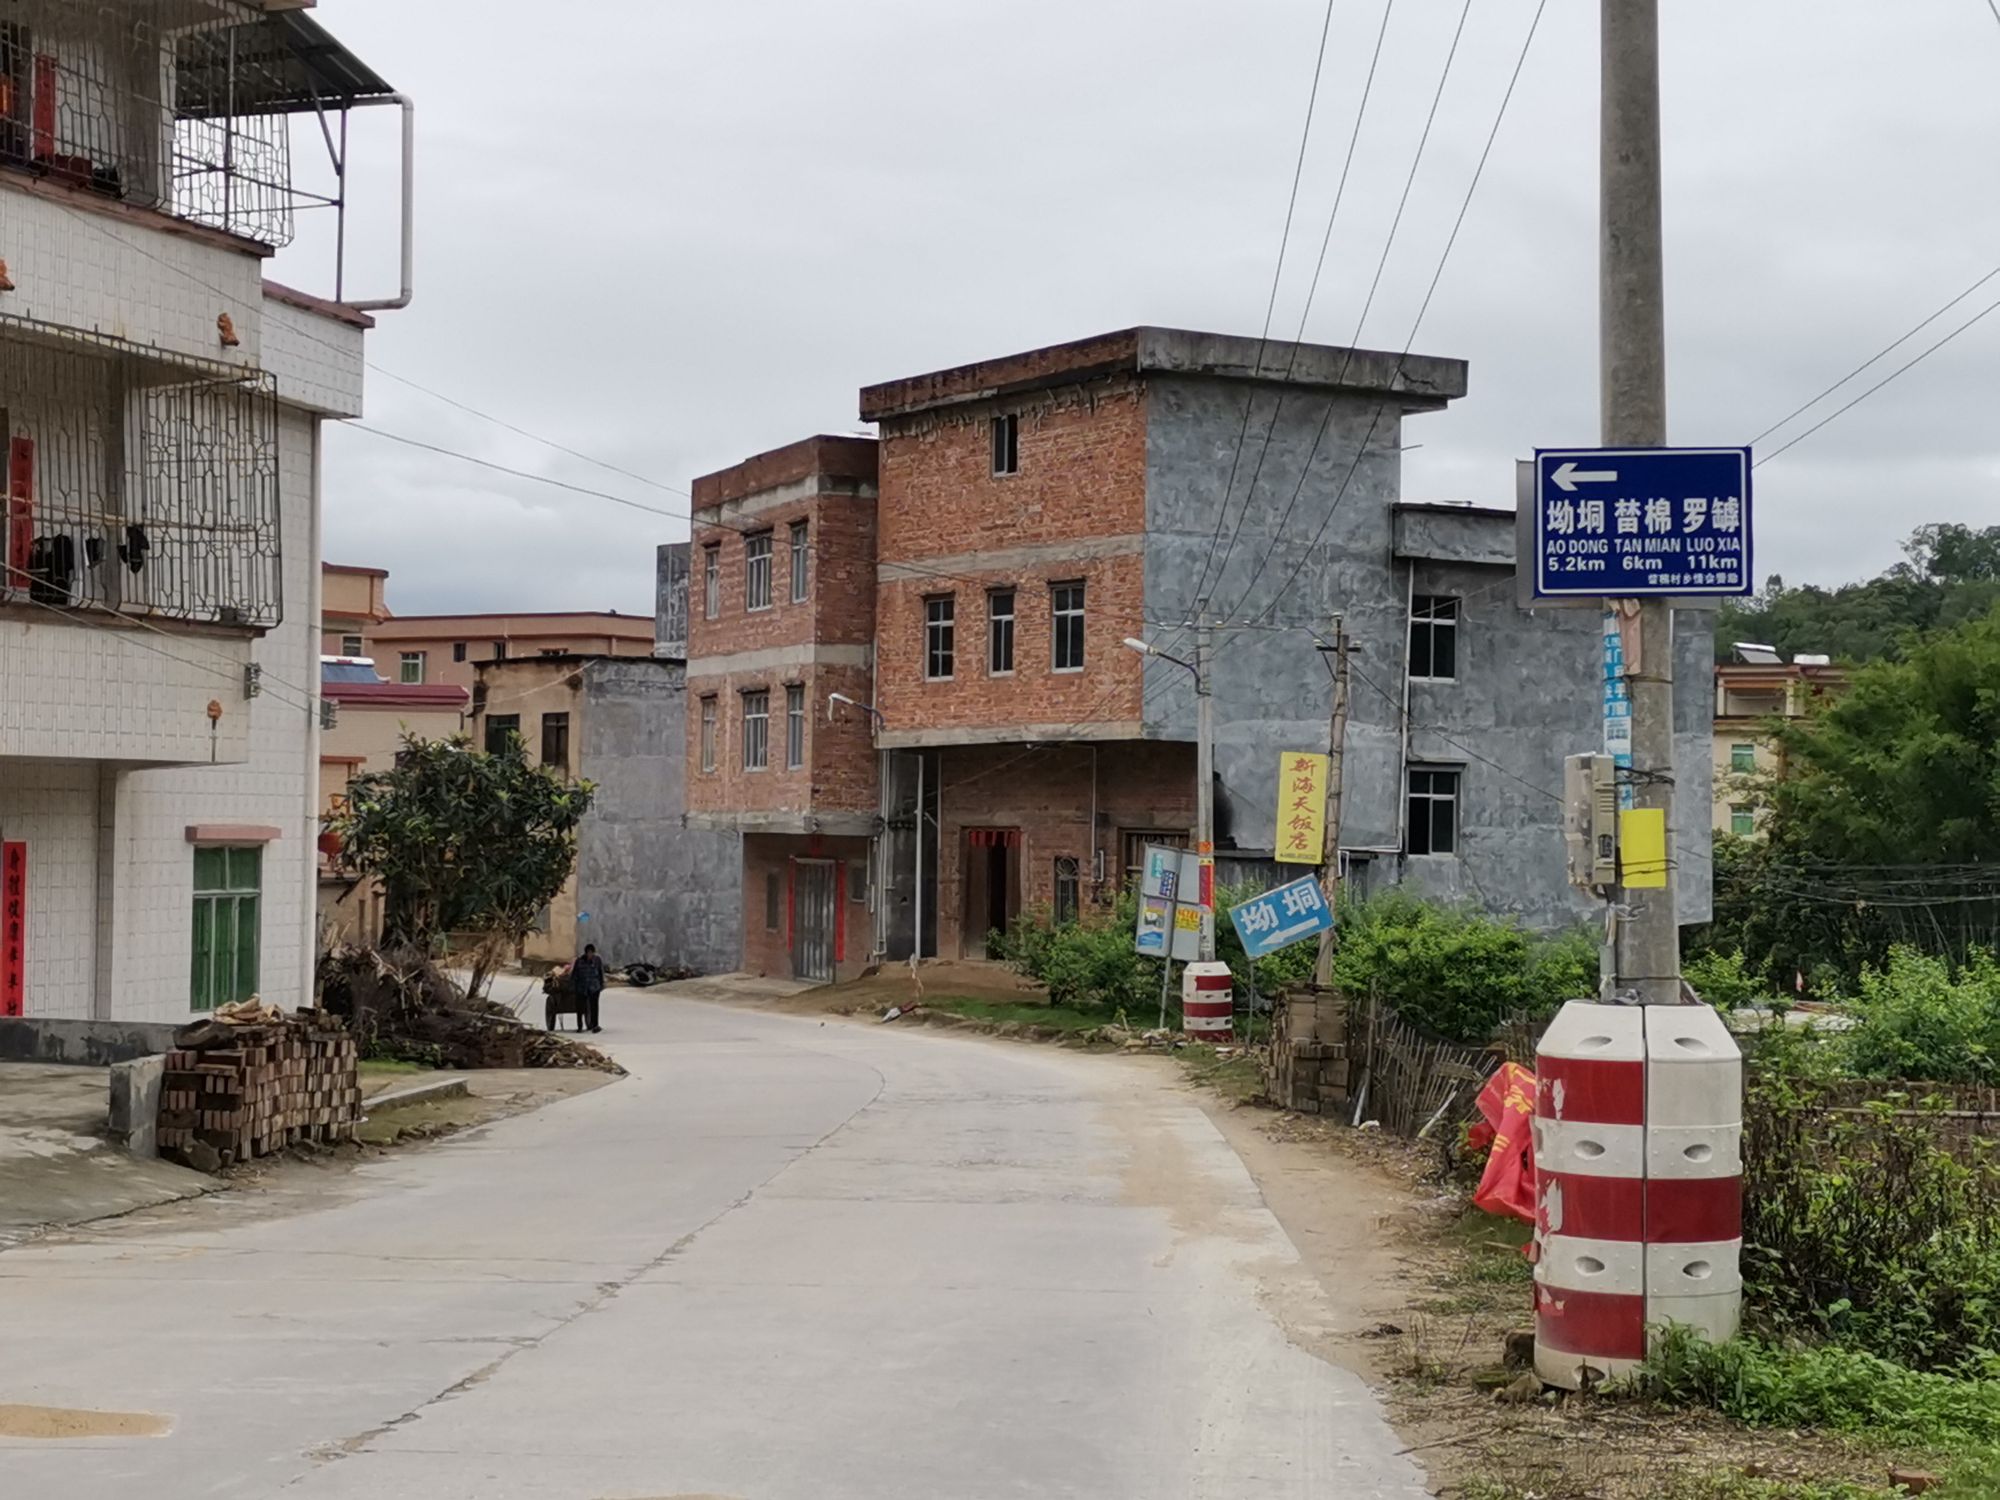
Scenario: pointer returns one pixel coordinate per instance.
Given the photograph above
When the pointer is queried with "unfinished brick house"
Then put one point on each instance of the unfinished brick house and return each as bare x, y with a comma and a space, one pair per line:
970, 580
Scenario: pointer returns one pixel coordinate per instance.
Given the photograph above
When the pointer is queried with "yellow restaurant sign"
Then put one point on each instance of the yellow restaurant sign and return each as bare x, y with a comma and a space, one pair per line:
1301, 836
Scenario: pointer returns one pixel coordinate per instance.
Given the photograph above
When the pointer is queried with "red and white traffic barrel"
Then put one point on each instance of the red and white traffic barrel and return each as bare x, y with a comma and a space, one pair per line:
1208, 1001
1694, 1171
1590, 1179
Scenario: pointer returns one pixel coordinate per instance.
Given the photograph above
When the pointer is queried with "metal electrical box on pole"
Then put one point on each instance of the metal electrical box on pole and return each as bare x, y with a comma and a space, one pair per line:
1590, 822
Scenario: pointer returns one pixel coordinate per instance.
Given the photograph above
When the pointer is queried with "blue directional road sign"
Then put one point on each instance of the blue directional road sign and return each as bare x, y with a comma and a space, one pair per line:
1627, 522
1293, 911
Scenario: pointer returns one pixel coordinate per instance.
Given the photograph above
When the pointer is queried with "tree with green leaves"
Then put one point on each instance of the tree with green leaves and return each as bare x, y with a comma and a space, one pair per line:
1885, 826
462, 841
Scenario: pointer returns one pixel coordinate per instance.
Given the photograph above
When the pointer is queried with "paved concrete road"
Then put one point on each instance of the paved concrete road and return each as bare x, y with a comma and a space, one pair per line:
785, 1260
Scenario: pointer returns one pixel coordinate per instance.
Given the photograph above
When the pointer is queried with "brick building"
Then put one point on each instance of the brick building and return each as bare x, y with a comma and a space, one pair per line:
1028, 514
781, 628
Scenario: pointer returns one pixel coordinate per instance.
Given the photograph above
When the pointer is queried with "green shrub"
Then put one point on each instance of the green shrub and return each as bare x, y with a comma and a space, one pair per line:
1089, 964
1723, 980
1918, 1018
1456, 973
1840, 1390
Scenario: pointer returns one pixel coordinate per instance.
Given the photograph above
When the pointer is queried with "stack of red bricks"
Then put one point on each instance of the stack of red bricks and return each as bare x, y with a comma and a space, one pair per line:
256, 1089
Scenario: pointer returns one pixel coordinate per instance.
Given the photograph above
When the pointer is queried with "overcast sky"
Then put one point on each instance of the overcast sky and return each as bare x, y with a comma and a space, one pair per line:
672, 233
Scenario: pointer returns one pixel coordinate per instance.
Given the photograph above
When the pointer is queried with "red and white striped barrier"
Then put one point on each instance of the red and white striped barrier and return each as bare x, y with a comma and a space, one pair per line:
1208, 1001
1638, 1125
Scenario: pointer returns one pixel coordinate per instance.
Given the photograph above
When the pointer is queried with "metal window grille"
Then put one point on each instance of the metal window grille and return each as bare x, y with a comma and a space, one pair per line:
1068, 888
1066, 611
795, 725
1433, 810
757, 571
940, 632
756, 730
1000, 632
1434, 636
708, 734
228, 886
137, 481
160, 103
801, 560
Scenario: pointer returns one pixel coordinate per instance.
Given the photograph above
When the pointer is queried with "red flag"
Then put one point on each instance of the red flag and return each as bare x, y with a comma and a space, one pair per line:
1508, 1103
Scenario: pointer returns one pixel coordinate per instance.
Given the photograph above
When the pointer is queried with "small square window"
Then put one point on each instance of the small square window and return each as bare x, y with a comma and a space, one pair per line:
352, 645
857, 880
1433, 810
1742, 759
1742, 821
501, 731
555, 741
412, 667
940, 636
458, 650
1434, 637
499, 650
1007, 444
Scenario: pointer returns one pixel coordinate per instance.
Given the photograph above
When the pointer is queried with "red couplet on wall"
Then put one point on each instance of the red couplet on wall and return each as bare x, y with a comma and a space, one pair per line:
20, 509
13, 928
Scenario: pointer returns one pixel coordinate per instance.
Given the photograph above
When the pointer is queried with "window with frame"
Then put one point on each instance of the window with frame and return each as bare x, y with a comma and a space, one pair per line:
795, 725
757, 730
774, 901
352, 645
1007, 444
857, 880
1066, 626
555, 741
1434, 637
1742, 820
708, 733
499, 650
711, 581
1135, 841
411, 668
1742, 759
501, 728
1069, 889
228, 890
757, 571
1000, 632
940, 636
801, 560
1433, 810
458, 650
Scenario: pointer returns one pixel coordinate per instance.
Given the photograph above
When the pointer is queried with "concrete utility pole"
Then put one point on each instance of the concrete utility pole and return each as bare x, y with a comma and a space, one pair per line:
1204, 792
1632, 375
1329, 877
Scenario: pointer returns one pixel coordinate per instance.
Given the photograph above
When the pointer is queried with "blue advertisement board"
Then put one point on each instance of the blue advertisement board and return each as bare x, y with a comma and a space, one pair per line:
1628, 522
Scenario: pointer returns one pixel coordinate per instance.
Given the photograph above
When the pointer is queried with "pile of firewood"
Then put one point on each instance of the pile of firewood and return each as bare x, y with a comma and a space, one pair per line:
398, 1003
1307, 1066
250, 1080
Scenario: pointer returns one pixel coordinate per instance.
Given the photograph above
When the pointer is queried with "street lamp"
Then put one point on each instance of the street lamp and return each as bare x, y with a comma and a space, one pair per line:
1204, 791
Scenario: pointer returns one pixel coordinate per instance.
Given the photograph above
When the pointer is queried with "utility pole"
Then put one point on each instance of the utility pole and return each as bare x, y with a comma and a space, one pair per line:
1204, 792
1329, 876
1632, 376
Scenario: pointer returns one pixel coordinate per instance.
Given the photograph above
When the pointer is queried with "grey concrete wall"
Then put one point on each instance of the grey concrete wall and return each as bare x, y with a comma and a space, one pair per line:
134, 1119
655, 890
1528, 689
94, 1044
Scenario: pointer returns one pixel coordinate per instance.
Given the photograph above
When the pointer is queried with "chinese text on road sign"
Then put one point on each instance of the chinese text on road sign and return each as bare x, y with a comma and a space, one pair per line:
1624, 522
1285, 915
1301, 807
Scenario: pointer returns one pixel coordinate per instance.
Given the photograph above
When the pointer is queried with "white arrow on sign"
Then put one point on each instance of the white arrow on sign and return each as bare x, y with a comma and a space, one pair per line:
1567, 476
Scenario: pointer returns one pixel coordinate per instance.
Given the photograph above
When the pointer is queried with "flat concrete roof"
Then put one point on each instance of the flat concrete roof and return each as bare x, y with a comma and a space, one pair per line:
1419, 382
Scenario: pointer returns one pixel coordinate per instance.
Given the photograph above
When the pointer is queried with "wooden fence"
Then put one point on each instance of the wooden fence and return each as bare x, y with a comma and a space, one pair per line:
1414, 1084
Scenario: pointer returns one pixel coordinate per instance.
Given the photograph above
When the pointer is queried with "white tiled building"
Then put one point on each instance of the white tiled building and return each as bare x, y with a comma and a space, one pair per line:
160, 413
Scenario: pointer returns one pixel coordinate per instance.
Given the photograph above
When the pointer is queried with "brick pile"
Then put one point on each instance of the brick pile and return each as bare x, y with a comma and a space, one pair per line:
1307, 1068
234, 1092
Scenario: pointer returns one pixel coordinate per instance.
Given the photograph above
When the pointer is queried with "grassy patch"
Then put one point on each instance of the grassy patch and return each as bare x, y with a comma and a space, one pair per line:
391, 1067
1718, 1484
1237, 1077
1061, 1017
